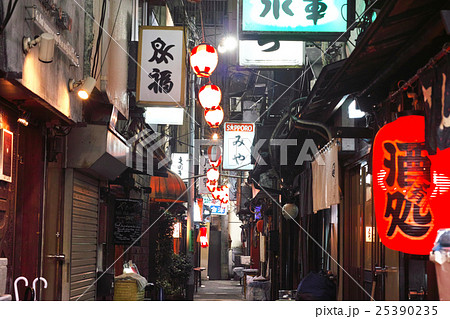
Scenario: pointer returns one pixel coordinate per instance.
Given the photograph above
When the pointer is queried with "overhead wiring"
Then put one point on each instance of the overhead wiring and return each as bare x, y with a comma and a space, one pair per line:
99, 39
109, 43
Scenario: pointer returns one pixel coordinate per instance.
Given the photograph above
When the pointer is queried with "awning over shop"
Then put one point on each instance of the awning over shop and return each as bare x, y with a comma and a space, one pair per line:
400, 41
14, 91
170, 189
98, 149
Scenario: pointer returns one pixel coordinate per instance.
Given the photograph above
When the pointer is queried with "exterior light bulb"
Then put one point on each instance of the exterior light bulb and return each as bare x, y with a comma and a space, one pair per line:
215, 137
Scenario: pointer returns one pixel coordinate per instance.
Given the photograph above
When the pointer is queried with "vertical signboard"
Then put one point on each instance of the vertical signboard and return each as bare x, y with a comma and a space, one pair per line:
180, 165
161, 69
238, 141
204, 166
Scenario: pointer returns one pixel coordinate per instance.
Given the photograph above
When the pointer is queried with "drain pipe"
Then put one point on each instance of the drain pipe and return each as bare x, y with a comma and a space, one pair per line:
313, 123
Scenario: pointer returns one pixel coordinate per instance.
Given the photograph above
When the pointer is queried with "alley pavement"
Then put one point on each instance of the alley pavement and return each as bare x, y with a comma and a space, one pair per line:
216, 290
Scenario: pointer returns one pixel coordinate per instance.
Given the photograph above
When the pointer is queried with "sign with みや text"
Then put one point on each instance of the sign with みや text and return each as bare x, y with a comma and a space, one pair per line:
238, 141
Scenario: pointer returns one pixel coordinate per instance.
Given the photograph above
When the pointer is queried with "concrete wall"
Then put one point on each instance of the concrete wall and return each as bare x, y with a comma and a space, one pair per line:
117, 71
47, 80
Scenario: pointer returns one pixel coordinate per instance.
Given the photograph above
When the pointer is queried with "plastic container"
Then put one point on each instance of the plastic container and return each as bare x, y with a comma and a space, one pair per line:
440, 255
3, 271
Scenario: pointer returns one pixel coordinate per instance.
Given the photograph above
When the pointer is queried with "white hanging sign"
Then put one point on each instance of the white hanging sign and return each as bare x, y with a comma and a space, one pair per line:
161, 68
180, 165
238, 141
271, 53
202, 169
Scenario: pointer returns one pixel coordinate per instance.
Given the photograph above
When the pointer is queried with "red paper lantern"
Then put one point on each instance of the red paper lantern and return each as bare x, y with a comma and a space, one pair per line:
224, 194
211, 185
213, 174
260, 226
203, 237
214, 116
214, 155
204, 60
216, 192
411, 188
209, 96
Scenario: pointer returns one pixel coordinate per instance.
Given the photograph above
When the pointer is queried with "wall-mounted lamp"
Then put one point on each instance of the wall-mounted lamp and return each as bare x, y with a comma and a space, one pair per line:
46, 43
24, 119
86, 86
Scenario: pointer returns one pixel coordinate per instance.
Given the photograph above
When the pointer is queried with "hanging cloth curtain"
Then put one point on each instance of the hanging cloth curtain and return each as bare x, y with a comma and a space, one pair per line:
325, 177
319, 181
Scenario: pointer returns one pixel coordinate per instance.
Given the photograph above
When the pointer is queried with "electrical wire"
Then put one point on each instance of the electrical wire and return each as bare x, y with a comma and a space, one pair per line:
9, 12
109, 43
99, 38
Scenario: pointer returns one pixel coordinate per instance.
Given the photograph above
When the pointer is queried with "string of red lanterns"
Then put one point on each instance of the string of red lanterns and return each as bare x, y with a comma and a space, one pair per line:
204, 60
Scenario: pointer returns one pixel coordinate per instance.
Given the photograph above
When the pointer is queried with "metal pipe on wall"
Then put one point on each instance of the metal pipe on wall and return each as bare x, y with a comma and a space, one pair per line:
191, 187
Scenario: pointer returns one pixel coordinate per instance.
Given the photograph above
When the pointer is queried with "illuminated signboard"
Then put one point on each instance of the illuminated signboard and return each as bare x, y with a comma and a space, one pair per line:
411, 188
304, 16
161, 71
238, 141
271, 53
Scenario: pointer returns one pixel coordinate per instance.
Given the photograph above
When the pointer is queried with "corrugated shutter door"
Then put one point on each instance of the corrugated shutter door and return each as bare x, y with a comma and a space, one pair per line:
83, 263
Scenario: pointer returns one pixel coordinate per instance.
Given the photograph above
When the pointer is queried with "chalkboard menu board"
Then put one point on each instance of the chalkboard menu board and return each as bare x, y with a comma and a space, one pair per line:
127, 221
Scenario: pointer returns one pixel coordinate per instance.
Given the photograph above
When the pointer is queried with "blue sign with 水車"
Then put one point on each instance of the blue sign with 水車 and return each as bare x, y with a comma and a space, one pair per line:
309, 16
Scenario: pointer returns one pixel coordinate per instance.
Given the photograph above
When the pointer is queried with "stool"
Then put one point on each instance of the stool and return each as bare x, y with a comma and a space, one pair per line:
198, 276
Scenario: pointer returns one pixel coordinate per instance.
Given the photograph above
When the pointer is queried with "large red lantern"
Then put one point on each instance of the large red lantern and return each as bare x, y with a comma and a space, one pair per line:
411, 188
214, 116
215, 155
209, 96
204, 60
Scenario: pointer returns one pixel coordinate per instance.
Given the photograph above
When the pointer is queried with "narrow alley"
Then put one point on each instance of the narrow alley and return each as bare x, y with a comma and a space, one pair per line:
219, 290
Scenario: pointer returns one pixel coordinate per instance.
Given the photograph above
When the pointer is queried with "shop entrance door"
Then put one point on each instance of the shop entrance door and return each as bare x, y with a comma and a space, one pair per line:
362, 248
214, 259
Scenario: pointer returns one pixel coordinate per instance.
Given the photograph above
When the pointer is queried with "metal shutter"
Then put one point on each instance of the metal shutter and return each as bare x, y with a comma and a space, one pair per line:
83, 264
